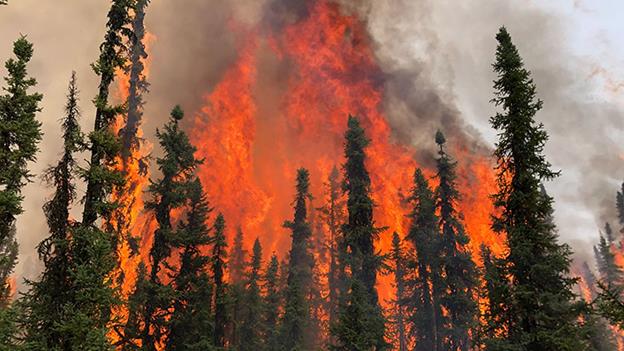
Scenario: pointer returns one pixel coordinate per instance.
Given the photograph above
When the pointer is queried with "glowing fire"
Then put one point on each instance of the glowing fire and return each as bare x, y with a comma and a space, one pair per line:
252, 151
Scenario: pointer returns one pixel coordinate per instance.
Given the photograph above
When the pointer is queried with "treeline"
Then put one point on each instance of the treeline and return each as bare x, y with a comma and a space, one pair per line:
194, 292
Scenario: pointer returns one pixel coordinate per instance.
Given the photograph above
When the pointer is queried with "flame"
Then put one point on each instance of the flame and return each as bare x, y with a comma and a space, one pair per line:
252, 151
130, 196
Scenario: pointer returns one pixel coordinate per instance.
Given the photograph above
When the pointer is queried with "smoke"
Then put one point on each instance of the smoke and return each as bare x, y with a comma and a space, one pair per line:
435, 58
439, 61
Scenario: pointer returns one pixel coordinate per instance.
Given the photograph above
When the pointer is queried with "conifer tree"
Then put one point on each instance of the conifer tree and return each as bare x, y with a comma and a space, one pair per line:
272, 303
424, 287
619, 202
460, 276
191, 324
251, 330
20, 132
538, 265
361, 323
296, 320
332, 213
496, 309
94, 248
47, 299
170, 192
138, 83
610, 273
100, 176
219, 257
399, 259
237, 265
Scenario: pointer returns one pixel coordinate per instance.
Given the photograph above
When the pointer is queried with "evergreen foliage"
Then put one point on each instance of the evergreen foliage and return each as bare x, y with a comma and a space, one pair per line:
361, 323
219, 257
537, 265
46, 302
272, 304
424, 286
460, 275
399, 258
20, 133
251, 327
191, 324
296, 320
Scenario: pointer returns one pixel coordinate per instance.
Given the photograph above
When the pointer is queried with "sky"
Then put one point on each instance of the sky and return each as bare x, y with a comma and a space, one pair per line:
573, 48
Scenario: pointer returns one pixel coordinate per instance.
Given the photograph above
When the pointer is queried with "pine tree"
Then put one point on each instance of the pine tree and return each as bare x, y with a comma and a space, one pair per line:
219, 257
296, 320
100, 176
460, 276
610, 273
424, 287
169, 193
94, 248
237, 265
251, 318
537, 264
272, 303
46, 300
20, 132
138, 82
361, 323
332, 213
399, 259
496, 309
191, 325
619, 202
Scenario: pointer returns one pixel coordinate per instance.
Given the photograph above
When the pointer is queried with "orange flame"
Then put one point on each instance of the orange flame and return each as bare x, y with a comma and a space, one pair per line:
252, 151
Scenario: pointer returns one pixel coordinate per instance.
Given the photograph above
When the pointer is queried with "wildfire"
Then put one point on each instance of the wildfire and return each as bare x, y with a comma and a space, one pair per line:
252, 150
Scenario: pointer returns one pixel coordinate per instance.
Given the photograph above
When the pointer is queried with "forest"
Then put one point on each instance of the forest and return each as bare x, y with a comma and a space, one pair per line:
154, 242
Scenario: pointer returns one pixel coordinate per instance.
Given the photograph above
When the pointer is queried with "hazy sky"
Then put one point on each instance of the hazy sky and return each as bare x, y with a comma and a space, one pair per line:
573, 48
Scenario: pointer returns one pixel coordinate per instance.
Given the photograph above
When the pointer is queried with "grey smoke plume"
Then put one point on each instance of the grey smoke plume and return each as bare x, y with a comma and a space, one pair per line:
435, 56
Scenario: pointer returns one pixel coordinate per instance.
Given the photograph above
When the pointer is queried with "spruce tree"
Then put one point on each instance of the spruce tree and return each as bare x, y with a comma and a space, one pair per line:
219, 257
47, 299
20, 132
424, 287
460, 275
399, 259
237, 265
610, 273
93, 247
332, 213
169, 193
361, 323
538, 265
619, 202
250, 329
272, 303
296, 320
191, 324
105, 146
495, 311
